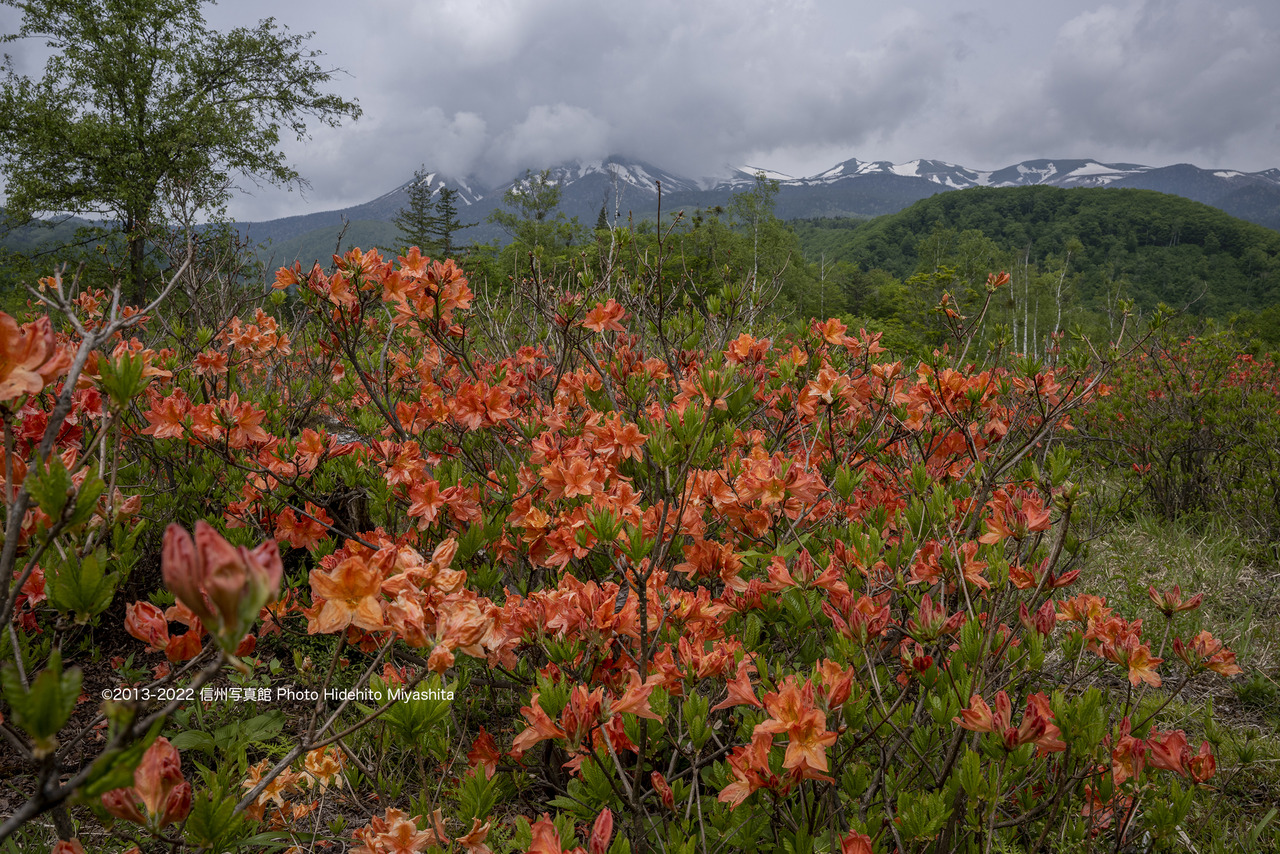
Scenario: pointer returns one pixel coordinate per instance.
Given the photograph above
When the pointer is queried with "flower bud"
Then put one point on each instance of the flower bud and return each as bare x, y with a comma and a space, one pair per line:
601, 832
183, 572
225, 586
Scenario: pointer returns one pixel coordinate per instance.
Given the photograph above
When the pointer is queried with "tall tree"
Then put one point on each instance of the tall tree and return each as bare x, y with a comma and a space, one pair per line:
140, 95
530, 216
417, 218
446, 224
753, 210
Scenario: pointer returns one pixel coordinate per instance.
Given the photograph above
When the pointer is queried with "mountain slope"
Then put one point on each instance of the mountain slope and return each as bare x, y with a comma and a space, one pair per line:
854, 187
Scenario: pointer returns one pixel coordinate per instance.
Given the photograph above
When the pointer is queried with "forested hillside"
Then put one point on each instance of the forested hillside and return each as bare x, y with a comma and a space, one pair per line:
1158, 248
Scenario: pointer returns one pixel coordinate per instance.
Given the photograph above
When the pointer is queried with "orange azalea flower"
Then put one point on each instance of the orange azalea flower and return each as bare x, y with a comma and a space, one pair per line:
546, 839
461, 623
147, 623
274, 792
807, 745
601, 832
1083, 609
1037, 722
426, 501
746, 348
350, 593
832, 331
484, 754
740, 691
979, 717
167, 415
30, 357
636, 698
394, 833
187, 645
972, 568
581, 713
605, 316
1042, 622
1129, 755
750, 770
406, 618
1141, 663
473, 841
323, 766
305, 532
540, 727
244, 423
223, 585
1170, 601
855, 843
1202, 765
663, 788
1170, 752
285, 277
1206, 652
859, 620
837, 682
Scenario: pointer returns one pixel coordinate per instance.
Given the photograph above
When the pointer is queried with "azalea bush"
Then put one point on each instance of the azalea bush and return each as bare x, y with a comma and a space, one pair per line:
597, 567
1195, 427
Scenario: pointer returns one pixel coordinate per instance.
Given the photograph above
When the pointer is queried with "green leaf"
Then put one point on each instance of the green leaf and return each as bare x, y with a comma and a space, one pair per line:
45, 708
49, 483
194, 739
80, 586
263, 727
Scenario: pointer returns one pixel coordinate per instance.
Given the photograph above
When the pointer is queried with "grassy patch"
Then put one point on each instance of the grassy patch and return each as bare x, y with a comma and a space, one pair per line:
1240, 581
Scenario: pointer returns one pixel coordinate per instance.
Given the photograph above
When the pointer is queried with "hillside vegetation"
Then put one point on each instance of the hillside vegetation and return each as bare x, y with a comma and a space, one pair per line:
1148, 246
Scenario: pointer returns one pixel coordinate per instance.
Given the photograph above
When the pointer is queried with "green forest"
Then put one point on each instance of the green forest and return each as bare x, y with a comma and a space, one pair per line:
1148, 246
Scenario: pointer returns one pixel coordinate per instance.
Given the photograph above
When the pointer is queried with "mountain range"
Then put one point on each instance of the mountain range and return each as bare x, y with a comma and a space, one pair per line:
854, 188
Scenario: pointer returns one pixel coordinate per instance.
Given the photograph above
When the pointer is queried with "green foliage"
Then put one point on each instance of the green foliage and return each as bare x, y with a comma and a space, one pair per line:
446, 223
213, 822
43, 708
233, 740
1150, 246
531, 218
82, 586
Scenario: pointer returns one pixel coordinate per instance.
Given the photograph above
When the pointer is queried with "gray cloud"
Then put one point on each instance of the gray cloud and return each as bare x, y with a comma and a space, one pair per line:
691, 87
1164, 79
488, 87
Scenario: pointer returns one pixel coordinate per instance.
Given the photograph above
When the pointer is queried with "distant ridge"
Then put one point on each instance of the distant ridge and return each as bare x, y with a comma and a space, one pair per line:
623, 186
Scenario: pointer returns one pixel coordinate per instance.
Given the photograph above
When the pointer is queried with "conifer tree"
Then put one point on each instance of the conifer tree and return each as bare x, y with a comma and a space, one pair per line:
445, 222
416, 220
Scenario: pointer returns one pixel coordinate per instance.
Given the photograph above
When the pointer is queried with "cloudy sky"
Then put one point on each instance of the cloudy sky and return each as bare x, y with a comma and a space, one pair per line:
489, 87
